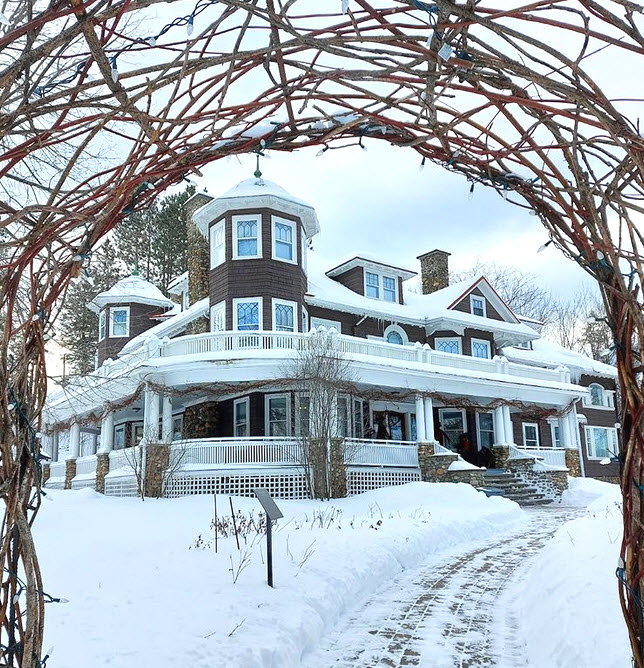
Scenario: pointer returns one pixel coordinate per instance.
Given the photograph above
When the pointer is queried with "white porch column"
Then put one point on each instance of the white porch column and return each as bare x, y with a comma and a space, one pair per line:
507, 426
107, 433
74, 441
429, 419
564, 431
499, 426
54, 446
47, 444
574, 428
420, 419
167, 425
151, 416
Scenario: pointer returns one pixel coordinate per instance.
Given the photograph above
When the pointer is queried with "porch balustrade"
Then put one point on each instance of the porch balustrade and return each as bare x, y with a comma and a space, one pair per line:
364, 452
549, 456
86, 466
56, 470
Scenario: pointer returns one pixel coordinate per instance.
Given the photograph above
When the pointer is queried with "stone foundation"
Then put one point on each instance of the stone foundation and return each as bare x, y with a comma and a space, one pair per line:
70, 472
572, 462
501, 456
102, 469
471, 477
338, 469
156, 462
45, 474
434, 468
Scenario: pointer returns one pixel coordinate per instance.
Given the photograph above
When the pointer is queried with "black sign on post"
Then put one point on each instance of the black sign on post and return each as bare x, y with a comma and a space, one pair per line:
272, 513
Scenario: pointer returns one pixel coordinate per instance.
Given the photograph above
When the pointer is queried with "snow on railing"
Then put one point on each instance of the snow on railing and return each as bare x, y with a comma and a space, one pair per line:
86, 465
366, 452
57, 470
442, 450
218, 452
518, 453
550, 456
124, 459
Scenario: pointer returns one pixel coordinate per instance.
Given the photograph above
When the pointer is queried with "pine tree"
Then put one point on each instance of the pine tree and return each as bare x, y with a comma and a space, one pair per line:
77, 325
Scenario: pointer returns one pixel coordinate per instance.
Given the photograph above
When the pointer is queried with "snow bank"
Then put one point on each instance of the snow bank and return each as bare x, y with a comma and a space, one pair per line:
567, 604
139, 596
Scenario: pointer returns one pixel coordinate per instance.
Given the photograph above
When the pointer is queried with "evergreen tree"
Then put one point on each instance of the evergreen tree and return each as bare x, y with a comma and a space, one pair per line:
157, 239
77, 325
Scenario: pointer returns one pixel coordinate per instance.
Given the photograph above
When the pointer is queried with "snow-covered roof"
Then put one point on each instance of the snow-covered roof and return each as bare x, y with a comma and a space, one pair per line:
131, 290
369, 261
255, 193
178, 284
548, 354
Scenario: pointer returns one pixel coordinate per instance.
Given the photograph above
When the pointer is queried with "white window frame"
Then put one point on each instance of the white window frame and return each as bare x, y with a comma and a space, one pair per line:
395, 280
137, 426
102, 325
462, 411
487, 344
381, 286
294, 244
608, 401
298, 413
327, 324
177, 419
284, 302
554, 424
399, 330
478, 427
482, 299
214, 229
459, 339
127, 322
238, 219
590, 441
373, 273
305, 320
360, 424
119, 428
214, 311
349, 417
525, 440
267, 416
247, 300
237, 402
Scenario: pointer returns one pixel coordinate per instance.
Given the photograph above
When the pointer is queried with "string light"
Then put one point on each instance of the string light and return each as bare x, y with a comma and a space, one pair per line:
322, 151
345, 6
544, 246
470, 195
422, 164
445, 52
115, 72
190, 26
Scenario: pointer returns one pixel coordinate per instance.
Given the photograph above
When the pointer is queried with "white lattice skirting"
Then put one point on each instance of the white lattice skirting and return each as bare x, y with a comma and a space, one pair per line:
365, 479
123, 485
82, 482
282, 484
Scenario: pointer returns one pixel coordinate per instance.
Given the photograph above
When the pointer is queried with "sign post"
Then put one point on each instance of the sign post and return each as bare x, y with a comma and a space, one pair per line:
272, 513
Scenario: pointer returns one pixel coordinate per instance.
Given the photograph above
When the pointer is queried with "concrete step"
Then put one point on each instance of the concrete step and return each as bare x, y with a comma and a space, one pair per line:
535, 502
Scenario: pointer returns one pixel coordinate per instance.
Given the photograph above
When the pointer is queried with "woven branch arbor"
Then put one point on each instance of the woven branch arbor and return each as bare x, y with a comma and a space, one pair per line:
103, 108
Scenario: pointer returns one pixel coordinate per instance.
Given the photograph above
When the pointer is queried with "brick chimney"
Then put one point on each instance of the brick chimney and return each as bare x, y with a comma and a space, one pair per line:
198, 251
434, 270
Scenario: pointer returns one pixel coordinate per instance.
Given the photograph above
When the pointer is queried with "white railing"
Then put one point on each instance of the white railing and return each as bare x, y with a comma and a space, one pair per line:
86, 465
222, 452
442, 450
214, 342
364, 452
518, 453
123, 459
550, 456
57, 470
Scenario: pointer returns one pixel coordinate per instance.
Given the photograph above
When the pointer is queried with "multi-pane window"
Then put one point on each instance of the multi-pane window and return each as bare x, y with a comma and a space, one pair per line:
373, 285
177, 428
247, 240
448, 345
247, 315
241, 415
486, 430
358, 423
218, 317
596, 395
389, 289
303, 423
343, 417
477, 305
284, 317
283, 241
530, 435
119, 322
217, 244
556, 435
394, 337
119, 437
453, 425
277, 415
481, 349
601, 442
101, 326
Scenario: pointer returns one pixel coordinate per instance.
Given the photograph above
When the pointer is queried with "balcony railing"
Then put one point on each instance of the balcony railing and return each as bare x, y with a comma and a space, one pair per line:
221, 342
363, 452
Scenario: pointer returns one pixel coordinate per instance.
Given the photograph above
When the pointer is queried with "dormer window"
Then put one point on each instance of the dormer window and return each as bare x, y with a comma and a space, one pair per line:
101, 326
378, 286
247, 241
477, 305
284, 240
372, 282
119, 322
596, 395
599, 397
389, 289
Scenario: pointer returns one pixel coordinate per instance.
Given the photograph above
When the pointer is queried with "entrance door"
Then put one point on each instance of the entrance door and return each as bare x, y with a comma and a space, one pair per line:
389, 426
453, 425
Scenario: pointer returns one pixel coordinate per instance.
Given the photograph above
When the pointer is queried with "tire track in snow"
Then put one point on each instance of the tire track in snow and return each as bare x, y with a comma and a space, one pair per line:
452, 612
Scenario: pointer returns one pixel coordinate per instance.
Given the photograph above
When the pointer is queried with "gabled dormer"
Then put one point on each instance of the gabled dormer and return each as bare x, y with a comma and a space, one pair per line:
126, 310
482, 300
371, 278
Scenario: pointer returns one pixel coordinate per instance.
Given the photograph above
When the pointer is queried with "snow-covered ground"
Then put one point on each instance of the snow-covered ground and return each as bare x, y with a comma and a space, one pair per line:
141, 594
566, 603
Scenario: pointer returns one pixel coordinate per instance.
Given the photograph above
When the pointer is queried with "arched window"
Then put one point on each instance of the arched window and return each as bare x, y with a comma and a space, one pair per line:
596, 395
395, 334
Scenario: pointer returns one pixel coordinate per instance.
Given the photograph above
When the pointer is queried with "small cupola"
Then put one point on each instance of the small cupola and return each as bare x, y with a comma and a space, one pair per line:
126, 310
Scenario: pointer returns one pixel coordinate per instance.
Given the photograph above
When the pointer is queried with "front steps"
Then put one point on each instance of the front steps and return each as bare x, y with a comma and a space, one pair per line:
512, 487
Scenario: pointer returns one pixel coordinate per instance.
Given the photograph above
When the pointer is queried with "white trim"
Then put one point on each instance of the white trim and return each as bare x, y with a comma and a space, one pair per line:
478, 427
254, 217
612, 446
120, 428
607, 398
305, 319
284, 302
399, 330
236, 402
214, 310
127, 322
381, 286
316, 323
462, 411
298, 413
294, 244
438, 339
482, 299
488, 345
536, 428
554, 424
102, 325
216, 229
267, 399
247, 300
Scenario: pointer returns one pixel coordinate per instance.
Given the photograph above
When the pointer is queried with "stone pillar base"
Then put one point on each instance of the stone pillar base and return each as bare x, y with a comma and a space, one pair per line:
433, 468
156, 463
469, 476
45, 473
501, 456
572, 462
70, 472
338, 469
102, 469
